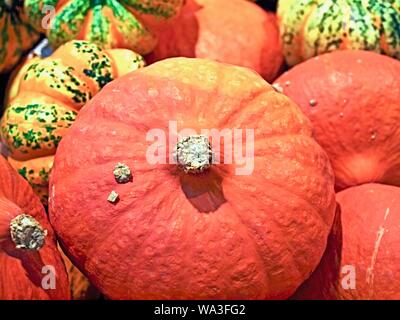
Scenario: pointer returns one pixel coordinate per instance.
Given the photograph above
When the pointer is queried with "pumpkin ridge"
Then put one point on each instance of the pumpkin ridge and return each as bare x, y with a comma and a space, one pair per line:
303, 200
256, 245
259, 250
246, 102
95, 246
102, 113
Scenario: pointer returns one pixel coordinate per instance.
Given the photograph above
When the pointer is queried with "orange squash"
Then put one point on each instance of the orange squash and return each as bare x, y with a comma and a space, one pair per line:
362, 257
235, 31
31, 266
45, 98
144, 227
353, 100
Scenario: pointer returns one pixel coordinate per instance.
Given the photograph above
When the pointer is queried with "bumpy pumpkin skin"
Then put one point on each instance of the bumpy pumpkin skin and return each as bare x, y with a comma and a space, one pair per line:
366, 237
309, 27
353, 101
16, 35
110, 24
21, 269
45, 98
173, 235
214, 29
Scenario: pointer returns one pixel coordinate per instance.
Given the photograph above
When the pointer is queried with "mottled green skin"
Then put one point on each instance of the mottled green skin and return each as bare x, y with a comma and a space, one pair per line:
60, 78
33, 126
51, 91
16, 35
30, 174
69, 21
311, 27
99, 64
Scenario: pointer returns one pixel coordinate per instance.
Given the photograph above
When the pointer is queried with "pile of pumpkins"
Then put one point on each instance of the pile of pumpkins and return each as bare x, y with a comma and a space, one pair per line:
88, 207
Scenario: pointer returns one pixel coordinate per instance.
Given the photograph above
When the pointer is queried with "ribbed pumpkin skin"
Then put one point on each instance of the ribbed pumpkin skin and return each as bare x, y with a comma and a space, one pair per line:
46, 97
214, 29
108, 23
367, 238
311, 27
353, 100
172, 235
21, 270
16, 34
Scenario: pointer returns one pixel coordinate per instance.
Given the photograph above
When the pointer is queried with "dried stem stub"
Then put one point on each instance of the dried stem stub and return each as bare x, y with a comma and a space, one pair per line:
122, 173
194, 154
27, 233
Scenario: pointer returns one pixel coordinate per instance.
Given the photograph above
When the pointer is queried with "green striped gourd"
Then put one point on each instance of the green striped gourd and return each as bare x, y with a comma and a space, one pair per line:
311, 27
108, 23
16, 34
45, 97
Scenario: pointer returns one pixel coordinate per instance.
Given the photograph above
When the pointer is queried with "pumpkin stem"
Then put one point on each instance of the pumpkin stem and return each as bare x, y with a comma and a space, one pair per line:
194, 154
27, 233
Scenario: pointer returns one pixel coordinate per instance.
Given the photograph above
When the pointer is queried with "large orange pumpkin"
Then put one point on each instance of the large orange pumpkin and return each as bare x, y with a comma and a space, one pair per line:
234, 31
28, 252
353, 101
44, 100
362, 256
198, 227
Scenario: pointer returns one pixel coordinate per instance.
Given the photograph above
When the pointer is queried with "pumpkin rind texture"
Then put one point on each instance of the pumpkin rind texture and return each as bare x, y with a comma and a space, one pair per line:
109, 24
17, 35
309, 28
45, 98
235, 32
177, 235
23, 272
361, 261
353, 100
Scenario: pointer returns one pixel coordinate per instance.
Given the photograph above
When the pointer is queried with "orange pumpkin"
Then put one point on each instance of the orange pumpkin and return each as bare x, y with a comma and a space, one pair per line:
354, 106
235, 31
362, 257
31, 266
45, 98
141, 226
